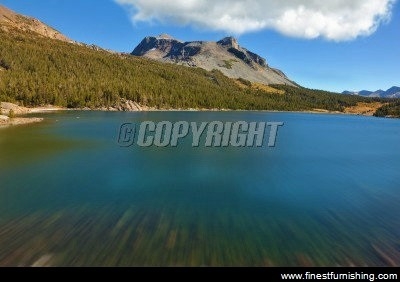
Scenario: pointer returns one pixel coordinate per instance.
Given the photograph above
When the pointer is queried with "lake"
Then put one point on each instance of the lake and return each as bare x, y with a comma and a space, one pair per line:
327, 194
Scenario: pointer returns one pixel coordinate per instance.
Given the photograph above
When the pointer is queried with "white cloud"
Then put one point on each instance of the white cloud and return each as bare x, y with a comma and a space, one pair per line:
332, 19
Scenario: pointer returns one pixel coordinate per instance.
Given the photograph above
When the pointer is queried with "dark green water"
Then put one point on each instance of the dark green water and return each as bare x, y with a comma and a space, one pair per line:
328, 194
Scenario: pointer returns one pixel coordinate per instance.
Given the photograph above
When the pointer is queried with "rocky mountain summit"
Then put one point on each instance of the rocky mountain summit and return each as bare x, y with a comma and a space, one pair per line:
10, 20
225, 55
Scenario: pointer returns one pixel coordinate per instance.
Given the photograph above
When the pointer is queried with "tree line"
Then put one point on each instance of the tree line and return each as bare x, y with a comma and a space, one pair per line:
37, 71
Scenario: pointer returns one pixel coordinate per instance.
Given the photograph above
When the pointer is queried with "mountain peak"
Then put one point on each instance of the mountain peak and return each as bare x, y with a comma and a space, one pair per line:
229, 42
153, 46
225, 55
165, 36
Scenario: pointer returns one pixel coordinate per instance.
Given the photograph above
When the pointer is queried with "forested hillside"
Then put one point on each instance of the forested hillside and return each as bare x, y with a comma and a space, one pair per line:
392, 109
35, 70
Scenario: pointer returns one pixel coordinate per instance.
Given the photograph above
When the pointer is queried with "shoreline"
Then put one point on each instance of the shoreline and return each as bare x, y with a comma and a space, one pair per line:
18, 112
130, 106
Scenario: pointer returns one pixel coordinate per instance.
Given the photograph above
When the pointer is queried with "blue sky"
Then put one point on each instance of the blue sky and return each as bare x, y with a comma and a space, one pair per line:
309, 47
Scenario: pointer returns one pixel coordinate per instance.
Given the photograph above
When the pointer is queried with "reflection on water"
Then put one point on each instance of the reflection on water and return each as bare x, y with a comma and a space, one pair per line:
327, 195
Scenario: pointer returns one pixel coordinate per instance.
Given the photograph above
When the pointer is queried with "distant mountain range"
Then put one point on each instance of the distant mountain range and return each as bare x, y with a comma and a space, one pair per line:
393, 92
225, 55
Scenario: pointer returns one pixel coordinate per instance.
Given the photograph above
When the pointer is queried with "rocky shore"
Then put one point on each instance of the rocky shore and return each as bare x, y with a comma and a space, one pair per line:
6, 121
9, 114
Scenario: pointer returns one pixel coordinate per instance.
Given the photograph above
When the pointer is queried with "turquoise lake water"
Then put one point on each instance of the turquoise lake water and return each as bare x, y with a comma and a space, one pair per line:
328, 194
